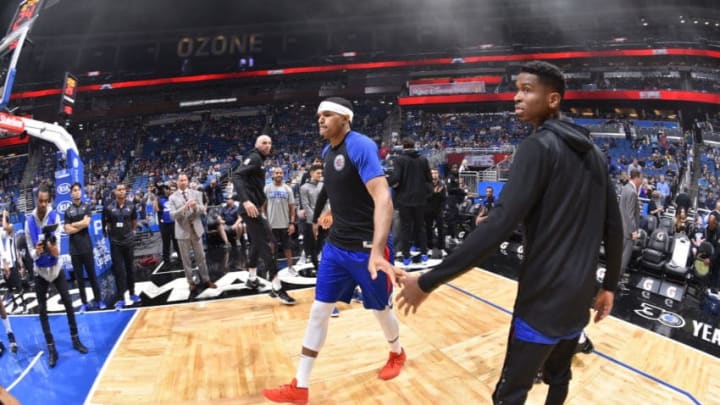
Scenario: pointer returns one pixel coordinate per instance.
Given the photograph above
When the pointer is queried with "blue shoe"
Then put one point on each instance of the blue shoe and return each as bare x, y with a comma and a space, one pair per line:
120, 305
135, 299
424, 258
83, 308
101, 304
335, 312
407, 261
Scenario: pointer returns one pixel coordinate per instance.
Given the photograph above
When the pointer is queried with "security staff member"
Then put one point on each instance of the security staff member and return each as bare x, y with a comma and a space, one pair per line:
119, 220
77, 219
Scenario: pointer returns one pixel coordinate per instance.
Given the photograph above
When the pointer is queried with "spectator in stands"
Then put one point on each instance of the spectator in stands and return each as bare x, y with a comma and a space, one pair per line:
44, 249
663, 188
681, 219
306, 177
214, 193
167, 223
77, 220
230, 222
119, 220
412, 182
486, 206
186, 207
635, 165
434, 210
712, 235
280, 212
630, 212
139, 202
656, 206
682, 200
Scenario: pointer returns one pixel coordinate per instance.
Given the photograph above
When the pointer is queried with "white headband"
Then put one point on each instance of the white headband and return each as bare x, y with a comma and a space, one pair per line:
336, 108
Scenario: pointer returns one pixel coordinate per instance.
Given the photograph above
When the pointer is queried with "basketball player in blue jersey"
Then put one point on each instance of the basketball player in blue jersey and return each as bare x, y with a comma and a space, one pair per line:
357, 249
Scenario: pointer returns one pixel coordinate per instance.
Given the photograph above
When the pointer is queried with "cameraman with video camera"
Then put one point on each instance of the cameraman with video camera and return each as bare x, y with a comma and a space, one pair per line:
42, 230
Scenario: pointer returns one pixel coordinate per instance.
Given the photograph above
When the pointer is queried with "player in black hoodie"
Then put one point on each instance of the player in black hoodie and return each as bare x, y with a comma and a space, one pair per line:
412, 182
560, 190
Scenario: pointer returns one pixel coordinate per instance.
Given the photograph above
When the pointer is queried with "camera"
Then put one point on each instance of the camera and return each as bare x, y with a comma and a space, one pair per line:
47, 236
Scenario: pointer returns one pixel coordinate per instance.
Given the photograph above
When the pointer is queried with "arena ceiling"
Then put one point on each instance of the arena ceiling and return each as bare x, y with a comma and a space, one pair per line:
94, 17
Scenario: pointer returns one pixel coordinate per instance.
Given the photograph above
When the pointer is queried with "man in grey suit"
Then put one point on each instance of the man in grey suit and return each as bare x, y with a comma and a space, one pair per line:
186, 206
630, 213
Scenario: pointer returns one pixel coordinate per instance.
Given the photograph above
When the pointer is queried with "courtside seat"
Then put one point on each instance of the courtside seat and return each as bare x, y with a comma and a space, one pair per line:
677, 265
651, 223
656, 253
667, 223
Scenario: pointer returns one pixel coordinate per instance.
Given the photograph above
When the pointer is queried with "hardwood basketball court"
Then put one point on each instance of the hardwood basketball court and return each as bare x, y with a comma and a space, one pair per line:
227, 351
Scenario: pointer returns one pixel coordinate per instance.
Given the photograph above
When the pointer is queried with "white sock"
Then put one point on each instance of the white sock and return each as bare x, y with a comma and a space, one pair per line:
253, 273
303, 372
390, 327
315, 335
6, 322
276, 284
583, 337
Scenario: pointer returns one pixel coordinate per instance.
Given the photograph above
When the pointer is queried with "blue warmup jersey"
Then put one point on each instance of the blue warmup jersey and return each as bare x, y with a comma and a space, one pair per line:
347, 168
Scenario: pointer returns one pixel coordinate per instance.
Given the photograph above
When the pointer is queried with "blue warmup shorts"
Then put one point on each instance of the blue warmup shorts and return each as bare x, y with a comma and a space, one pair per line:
341, 270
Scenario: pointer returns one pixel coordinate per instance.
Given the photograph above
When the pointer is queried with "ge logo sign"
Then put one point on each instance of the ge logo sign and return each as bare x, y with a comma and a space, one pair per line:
658, 314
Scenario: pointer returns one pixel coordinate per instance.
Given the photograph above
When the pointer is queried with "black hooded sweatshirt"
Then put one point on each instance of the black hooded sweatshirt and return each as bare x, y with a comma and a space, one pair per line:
411, 179
560, 191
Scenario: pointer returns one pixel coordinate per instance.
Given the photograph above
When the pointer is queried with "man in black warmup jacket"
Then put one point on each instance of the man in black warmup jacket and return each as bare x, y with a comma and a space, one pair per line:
559, 188
249, 184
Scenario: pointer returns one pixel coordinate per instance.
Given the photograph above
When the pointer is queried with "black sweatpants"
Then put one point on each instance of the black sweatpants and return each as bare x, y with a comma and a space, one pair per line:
41, 289
167, 231
412, 226
86, 261
313, 246
123, 265
522, 362
261, 243
435, 220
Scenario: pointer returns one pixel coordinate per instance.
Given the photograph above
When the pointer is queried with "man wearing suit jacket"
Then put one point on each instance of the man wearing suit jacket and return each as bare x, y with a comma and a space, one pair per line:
186, 206
630, 213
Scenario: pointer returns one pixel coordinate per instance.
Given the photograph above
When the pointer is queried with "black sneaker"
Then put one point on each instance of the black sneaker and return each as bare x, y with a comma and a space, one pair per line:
52, 355
2, 349
13, 345
252, 284
77, 345
283, 296
585, 347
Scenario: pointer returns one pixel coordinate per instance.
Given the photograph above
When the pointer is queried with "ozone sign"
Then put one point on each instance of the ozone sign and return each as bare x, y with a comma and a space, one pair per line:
219, 45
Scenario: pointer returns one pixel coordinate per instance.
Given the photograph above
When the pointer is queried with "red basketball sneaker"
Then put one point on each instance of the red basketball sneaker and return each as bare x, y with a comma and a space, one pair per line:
393, 366
287, 393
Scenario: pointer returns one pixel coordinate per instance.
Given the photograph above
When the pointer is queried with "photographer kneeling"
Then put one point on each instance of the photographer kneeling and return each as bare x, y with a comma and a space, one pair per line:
42, 230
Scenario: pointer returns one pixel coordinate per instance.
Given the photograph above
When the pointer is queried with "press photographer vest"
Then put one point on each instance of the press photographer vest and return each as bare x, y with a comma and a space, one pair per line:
45, 259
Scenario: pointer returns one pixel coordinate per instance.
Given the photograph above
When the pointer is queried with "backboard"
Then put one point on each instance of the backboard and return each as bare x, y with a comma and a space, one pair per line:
10, 49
